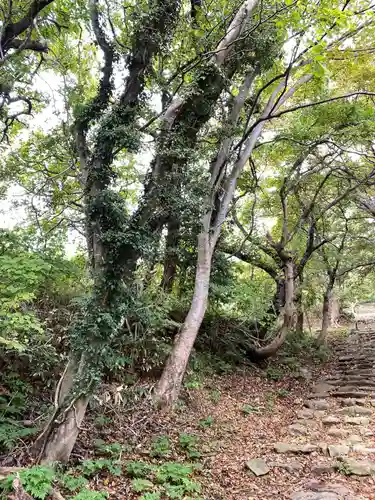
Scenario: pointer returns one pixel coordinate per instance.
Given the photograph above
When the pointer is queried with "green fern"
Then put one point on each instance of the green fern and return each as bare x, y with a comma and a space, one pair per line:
71, 482
37, 481
91, 467
155, 495
91, 495
138, 469
173, 472
139, 485
11, 433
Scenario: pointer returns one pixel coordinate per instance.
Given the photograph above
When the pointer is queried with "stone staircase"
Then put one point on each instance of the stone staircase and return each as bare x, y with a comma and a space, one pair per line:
342, 403
332, 434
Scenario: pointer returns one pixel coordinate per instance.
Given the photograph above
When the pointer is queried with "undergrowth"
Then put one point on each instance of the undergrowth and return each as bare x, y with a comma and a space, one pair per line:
170, 479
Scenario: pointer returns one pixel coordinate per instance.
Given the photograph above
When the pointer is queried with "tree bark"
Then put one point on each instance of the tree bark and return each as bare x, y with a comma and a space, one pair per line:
300, 318
326, 317
299, 307
288, 320
169, 385
279, 297
171, 257
57, 440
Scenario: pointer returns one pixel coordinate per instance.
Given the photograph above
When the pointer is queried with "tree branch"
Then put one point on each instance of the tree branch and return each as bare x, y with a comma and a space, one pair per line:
13, 30
28, 45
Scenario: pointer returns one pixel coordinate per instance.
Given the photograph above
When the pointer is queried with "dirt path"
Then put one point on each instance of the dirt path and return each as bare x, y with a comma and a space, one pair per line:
296, 439
307, 434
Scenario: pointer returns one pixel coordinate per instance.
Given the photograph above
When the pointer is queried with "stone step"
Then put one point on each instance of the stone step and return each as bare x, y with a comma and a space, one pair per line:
324, 491
353, 394
357, 402
338, 450
349, 367
323, 468
288, 466
349, 388
356, 410
318, 404
334, 378
352, 381
348, 373
355, 357
295, 448
358, 467
357, 420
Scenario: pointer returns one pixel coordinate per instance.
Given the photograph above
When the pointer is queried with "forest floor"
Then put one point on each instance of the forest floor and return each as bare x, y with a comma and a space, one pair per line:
223, 422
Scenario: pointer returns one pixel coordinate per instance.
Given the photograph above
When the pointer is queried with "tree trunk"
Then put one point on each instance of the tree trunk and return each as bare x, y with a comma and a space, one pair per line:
299, 307
57, 440
279, 297
274, 346
326, 316
63, 436
171, 257
168, 387
300, 319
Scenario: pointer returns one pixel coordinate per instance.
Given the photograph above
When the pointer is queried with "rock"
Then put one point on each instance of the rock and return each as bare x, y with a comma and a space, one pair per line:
298, 429
304, 373
353, 439
317, 395
295, 448
323, 447
350, 394
352, 402
288, 466
317, 404
356, 410
309, 423
337, 488
322, 468
338, 450
258, 466
323, 387
359, 467
311, 495
357, 420
337, 432
363, 449
305, 413
324, 491
366, 432
330, 420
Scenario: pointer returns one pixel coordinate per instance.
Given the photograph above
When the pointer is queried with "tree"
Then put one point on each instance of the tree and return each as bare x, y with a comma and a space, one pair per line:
105, 221
349, 249
28, 34
158, 150
224, 176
